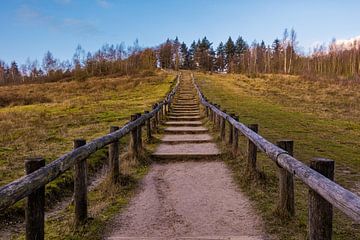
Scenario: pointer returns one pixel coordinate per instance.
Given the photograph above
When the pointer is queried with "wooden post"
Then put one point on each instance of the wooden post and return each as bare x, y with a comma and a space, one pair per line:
207, 111
80, 187
235, 146
160, 113
222, 128
320, 211
133, 139
231, 131
286, 205
139, 135
215, 117
252, 152
35, 204
218, 120
154, 120
210, 113
114, 158
148, 128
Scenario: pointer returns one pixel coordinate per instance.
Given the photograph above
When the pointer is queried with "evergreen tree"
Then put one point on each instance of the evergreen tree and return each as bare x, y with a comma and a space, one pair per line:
220, 57
241, 48
185, 56
192, 51
230, 52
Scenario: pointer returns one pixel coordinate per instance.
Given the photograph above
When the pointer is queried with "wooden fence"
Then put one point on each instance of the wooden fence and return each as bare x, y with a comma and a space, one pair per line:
323, 191
38, 175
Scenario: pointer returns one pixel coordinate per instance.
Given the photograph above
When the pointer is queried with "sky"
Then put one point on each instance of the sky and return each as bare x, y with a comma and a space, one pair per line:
30, 28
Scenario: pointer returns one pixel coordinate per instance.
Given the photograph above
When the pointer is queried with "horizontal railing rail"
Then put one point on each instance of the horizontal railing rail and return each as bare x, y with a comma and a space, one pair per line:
343, 199
24, 186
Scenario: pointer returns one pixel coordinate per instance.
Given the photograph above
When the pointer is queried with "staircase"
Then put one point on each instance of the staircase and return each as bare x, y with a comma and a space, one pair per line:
185, 136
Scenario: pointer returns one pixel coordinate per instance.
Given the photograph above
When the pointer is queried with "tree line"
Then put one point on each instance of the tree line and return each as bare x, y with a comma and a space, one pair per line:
108, 60
281, 56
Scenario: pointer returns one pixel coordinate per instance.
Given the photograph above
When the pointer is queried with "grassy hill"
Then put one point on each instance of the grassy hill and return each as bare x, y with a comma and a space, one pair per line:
44, 119
321, 117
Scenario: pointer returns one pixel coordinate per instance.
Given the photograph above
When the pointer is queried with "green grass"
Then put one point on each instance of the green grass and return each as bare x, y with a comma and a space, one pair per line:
72, 110
285, 109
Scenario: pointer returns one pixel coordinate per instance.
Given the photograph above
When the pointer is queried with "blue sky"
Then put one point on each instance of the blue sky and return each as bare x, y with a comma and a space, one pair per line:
30, 28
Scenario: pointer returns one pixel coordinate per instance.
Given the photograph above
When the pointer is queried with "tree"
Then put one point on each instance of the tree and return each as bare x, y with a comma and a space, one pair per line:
185, 56
230, 52
241, 48
14, 73
192, 51
49, 62
285, 48
220, 57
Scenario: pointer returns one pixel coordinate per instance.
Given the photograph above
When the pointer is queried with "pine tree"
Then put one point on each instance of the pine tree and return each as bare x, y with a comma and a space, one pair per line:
230, 52
185, 56
192, 51
240, 49
220, 57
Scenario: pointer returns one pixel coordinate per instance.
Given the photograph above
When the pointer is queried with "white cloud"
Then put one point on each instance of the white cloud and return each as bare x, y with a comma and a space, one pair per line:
103, 3
31, 17
353, 42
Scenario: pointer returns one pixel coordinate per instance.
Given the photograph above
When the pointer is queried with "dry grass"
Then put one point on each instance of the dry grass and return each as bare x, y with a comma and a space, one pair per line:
321, 117
72, 110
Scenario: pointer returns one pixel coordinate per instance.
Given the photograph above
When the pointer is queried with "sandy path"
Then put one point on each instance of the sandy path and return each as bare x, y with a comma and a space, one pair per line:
188, 199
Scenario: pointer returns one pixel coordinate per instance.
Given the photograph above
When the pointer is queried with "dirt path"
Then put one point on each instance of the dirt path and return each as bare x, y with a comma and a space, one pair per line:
188, 200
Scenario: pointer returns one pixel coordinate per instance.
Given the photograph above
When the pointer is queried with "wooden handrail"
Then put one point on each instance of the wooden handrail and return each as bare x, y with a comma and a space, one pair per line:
22, 187
341, 198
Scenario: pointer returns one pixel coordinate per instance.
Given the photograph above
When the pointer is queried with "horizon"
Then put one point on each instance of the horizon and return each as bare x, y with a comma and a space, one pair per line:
34, 27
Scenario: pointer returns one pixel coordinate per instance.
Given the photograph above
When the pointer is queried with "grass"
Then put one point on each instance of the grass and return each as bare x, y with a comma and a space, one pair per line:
71, 110
321, 118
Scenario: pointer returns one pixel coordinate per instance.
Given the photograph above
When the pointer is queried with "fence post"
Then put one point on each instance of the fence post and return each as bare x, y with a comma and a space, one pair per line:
148, 128
133, 139
207, 111
218, 120
222, 128
215, 117
114, 158
320, 210
231, 130
154, 120
35, 204
236, 138
286, 205
252, 152
139, 135
210, 113
80, 187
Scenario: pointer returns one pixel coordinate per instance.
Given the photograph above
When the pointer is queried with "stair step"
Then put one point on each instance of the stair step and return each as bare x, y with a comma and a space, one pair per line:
185, 118
186, 129
186, 151
186, 138
183, 123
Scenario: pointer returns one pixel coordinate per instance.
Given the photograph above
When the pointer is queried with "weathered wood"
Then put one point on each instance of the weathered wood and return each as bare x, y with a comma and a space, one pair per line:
343, 199
148, 128
215, 118
207, 111
139, 136
252, 152
235, 145
286, 204
320, 210
114, 158
133, 145
222, 128
218, 119
231, 132
35, 204
80, 187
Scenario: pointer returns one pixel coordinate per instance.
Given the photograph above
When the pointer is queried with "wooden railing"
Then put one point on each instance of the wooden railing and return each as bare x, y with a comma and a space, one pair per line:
38, 175
323, 191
